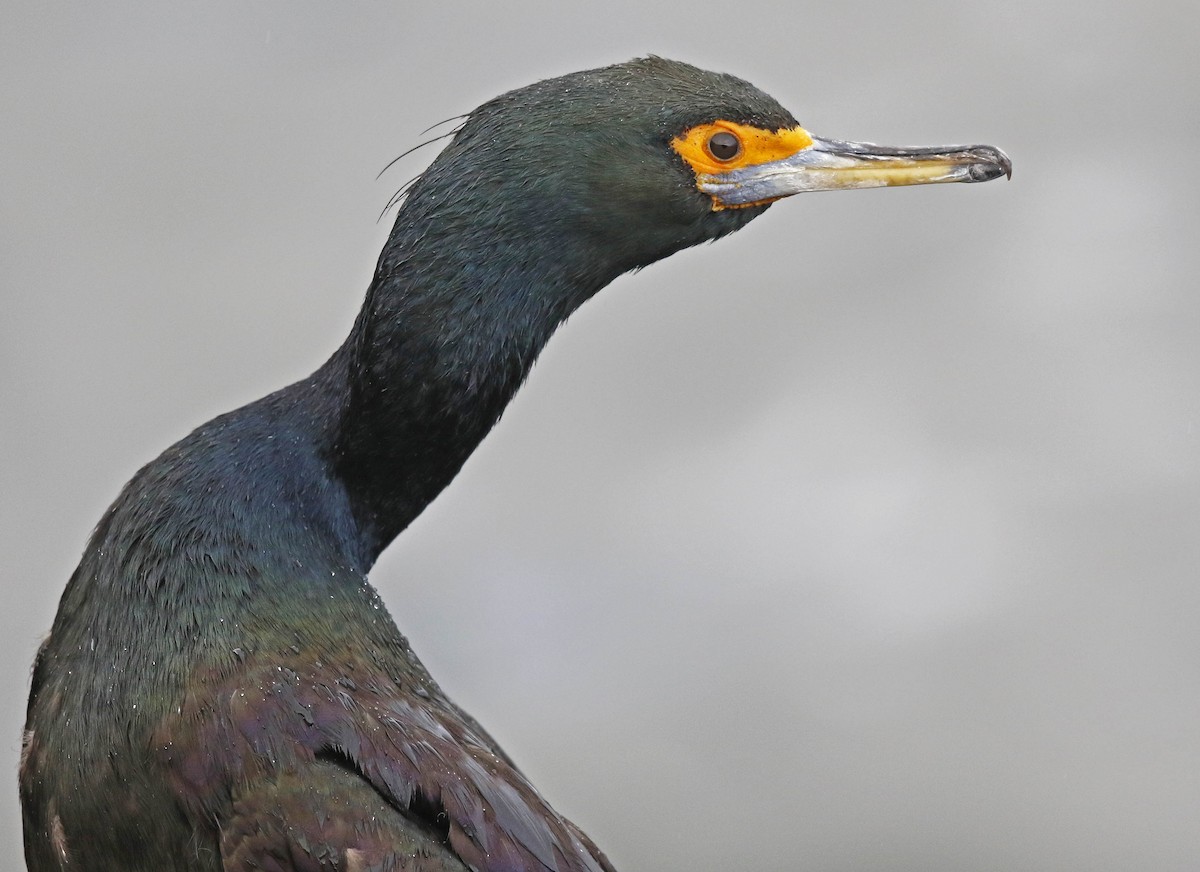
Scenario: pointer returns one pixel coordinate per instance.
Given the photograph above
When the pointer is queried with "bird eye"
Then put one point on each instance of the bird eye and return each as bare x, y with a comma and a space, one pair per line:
724, 145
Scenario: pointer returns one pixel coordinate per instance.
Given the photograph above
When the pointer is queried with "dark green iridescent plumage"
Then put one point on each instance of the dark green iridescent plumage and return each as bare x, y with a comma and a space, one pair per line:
222, 688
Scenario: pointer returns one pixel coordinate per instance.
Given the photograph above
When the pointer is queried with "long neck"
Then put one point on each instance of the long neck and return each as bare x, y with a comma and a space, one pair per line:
451, 325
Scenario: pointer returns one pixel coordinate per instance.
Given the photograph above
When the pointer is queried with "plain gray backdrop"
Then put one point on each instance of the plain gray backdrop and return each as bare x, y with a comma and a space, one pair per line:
865, 539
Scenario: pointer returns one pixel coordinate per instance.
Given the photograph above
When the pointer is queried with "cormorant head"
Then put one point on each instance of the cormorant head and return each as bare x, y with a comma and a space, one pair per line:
610, 169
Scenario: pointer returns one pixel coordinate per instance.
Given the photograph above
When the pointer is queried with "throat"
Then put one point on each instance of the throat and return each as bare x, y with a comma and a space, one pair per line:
450, 327
407, 431
427, 372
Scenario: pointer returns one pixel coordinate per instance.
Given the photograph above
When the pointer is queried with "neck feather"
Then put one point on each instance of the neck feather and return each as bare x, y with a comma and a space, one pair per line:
449, 330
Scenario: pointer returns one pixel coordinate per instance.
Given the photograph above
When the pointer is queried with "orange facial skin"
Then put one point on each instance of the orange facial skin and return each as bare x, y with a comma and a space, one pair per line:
758, 146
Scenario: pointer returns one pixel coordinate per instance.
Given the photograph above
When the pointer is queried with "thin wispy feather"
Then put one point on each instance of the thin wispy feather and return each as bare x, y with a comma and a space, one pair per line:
398, 197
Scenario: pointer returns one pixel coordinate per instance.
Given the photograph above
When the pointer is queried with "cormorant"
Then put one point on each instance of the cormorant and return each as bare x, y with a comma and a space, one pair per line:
222, 689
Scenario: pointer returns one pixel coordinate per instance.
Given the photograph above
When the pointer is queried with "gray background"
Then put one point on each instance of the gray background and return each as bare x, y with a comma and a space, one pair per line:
866, 539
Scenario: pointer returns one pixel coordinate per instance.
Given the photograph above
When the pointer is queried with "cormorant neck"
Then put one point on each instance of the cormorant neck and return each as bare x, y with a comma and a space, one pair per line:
450, 327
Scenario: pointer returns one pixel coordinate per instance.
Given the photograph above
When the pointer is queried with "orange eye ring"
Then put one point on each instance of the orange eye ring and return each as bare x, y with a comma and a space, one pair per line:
719, 146
723, 146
